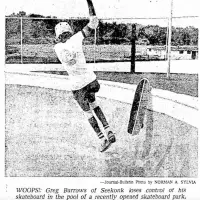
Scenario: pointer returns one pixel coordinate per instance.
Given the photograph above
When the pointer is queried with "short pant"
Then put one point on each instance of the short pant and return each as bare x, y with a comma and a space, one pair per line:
86, 95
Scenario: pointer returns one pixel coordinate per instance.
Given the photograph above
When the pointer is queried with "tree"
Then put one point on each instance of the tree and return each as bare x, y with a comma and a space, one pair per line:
22, 14
13, 29
38, 29
141, 33
35, 16
108, 32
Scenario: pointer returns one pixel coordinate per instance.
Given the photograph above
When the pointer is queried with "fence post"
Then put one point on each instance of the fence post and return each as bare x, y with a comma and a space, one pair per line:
133, 48
167, 37
169, 40
21, 42
95, 43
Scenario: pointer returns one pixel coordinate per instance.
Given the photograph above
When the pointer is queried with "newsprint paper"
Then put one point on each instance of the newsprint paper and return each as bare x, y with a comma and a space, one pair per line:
99, 100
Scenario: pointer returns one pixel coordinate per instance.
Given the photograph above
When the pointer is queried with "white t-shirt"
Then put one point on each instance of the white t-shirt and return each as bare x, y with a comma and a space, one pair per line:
73, 61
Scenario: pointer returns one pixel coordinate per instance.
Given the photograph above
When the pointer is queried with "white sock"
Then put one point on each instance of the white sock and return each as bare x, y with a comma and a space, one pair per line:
107, 129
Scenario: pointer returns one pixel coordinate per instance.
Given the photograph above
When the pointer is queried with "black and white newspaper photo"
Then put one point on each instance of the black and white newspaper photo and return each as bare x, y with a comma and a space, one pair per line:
99, 100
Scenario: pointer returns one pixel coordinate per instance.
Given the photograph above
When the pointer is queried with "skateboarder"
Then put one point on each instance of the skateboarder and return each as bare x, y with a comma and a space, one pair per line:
83, 81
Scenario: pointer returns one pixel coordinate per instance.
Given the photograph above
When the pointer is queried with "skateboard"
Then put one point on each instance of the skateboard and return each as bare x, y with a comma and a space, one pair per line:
139, 107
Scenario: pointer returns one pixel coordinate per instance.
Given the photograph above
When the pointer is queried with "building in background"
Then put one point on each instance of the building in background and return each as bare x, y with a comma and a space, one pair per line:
177, 52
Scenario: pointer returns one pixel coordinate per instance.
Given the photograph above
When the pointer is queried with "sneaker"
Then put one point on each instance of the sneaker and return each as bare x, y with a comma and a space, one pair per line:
105, 145
111, 137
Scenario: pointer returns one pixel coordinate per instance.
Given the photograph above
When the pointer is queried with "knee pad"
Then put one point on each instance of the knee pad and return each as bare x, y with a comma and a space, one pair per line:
93, 105
88, 114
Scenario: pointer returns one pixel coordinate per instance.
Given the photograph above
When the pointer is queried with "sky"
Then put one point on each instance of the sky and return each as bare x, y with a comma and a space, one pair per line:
111, 9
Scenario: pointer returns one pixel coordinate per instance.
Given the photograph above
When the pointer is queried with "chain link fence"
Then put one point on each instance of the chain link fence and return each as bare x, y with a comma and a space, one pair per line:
31, 40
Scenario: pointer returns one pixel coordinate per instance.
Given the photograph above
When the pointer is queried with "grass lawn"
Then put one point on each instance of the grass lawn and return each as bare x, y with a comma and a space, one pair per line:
178, 83
44, 53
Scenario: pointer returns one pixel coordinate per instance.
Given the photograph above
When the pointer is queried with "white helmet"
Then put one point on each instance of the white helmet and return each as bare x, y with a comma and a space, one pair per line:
61, 28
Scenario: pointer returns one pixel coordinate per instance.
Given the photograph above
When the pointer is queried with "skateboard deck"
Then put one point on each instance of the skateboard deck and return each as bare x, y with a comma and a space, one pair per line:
139, 107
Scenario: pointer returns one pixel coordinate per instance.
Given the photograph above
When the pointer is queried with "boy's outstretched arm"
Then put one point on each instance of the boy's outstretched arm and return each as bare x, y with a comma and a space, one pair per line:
93, 24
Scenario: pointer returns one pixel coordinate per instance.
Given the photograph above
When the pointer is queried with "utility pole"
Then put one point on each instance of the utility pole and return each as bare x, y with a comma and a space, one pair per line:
21, 20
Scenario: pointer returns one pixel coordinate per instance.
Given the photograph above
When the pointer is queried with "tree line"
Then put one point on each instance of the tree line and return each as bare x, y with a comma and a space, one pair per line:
42, 31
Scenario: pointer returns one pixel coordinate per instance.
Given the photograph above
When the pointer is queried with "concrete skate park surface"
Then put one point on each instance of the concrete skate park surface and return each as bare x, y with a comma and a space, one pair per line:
48, 135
